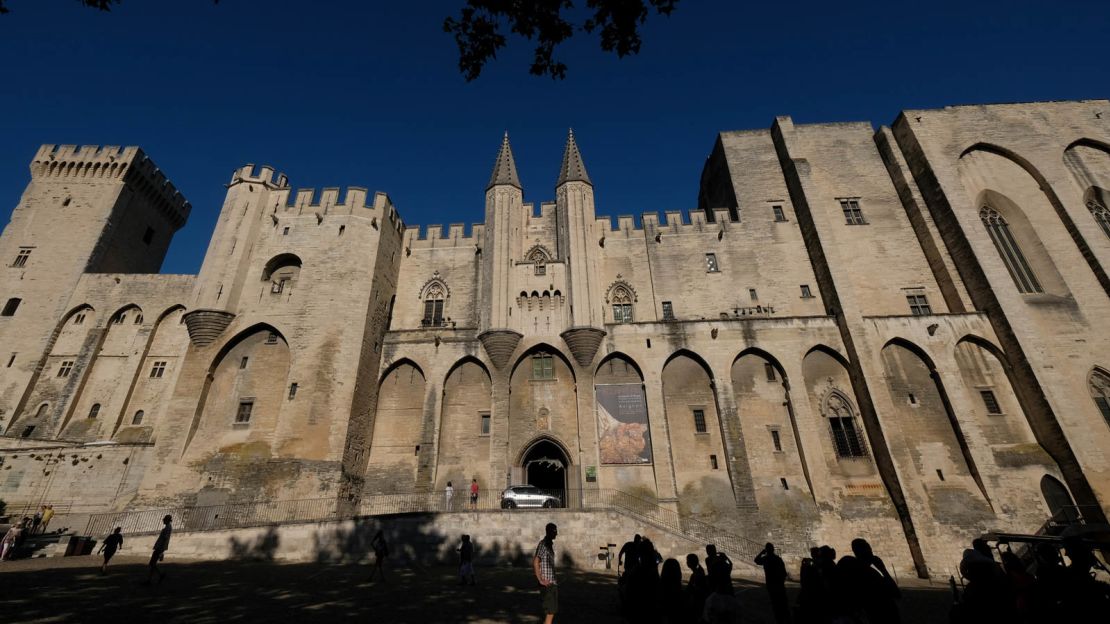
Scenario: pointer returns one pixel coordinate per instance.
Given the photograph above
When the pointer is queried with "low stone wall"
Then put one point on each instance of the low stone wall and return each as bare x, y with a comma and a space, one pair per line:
500, 538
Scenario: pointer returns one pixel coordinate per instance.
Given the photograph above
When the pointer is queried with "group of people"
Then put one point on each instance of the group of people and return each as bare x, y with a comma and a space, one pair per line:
1009, 591
651, 588
28, 525
449, 495
857, 588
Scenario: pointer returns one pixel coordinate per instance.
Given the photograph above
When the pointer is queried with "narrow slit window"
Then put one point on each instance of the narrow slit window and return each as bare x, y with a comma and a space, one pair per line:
785, 485
484, 417
769, 369
713, 462
776, 439
94, 411
991, 402
243, 362
292, 390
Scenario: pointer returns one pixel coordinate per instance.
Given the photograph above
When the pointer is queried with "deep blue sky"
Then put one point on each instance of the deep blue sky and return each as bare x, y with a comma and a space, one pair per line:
367, 94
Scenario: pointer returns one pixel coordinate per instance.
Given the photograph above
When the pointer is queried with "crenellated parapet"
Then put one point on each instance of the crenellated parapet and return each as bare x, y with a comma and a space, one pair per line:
264, 175
436, 237
671, 222
333, 200
96, 164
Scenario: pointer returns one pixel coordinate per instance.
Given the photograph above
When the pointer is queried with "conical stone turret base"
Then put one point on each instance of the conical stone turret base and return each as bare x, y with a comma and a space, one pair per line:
500, 344
205, 326
583, 343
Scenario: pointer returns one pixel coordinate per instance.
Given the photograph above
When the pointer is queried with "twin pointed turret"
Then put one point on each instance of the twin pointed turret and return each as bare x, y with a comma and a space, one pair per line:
572, 170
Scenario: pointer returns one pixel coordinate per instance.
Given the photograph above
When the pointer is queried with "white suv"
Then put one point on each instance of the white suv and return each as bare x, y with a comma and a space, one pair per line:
528, 496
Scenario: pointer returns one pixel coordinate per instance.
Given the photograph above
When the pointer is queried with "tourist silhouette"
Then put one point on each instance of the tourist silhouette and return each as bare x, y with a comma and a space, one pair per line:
774, 574
381, 554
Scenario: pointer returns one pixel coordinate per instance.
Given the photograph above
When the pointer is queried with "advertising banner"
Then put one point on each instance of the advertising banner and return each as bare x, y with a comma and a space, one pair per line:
622, 424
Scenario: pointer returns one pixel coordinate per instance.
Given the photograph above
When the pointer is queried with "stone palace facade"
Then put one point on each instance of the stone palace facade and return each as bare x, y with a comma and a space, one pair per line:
893, 334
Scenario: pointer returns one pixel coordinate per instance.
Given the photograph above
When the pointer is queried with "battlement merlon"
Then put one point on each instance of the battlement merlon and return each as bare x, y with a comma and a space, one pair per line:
691, 221
95, 163
331, 200
265, 175
433, 237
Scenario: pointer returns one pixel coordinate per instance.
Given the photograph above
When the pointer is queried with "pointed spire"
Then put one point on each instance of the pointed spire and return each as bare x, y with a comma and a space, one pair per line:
573, 168
504, 170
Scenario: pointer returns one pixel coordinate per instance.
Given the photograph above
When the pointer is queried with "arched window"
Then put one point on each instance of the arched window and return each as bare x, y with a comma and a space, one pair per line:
282, 272
137, 419
1101, 214
1100, 392
434, 297
1008, 249
846, 437
42, 410
621, 300
539, 258
94, 410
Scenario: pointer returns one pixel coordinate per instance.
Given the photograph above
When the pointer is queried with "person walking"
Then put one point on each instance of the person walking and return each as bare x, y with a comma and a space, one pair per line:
47, 516
466, 561
449, 494
473, 493
543, 565
36, 520
161, 545
111, 544
7, 545
774, 574
381, 553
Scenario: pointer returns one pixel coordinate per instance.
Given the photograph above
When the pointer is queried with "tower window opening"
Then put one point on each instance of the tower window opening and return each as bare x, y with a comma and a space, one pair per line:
94, 411
21, 258
699, 422
10, 307
543, 366
137, 419
65, 369
853, 215
776, 439
158, 369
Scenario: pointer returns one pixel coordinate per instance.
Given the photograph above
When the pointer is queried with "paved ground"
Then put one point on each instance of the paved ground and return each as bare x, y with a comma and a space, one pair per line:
72, 590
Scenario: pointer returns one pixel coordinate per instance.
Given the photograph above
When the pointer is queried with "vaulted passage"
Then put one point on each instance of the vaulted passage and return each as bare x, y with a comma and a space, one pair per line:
545, 466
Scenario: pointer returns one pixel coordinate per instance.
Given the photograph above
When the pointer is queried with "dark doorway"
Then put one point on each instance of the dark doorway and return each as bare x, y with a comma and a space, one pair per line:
1059, 501
545, 466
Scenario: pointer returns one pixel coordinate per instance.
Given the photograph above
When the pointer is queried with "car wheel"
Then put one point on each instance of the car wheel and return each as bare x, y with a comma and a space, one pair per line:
508, 504
548, 504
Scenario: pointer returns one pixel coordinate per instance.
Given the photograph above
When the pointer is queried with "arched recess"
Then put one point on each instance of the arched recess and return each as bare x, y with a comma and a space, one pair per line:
104, 383
282, 271
696, 436
623, 425
845, 448
1098, 383
543, 400
244, 393
986, 166
762, 394
152, 384
986, 375
1097, 201
465, 426
545, 463
927, 434
397, 429
1060, 504
74, 334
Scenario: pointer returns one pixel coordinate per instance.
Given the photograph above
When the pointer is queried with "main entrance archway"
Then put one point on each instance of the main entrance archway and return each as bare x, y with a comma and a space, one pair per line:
544, 464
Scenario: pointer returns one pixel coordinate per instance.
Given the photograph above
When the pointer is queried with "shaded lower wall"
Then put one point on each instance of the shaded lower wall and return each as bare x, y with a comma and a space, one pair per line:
500, 538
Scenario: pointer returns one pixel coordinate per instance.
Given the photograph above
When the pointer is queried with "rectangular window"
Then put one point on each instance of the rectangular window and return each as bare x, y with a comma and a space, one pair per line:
668, 311
285, 231
785, 485
769, 368
713, 462
711, 263
919, 305
27, 432
543, 366
292, 390
845, 437
806, 294
753, 295
158, 369
485, 420
776, 439
243, 362
541, 269
433, 312
990, 401
243, 414
21, 258
779, 215
11, 306
271, 338
699, 421
852, 213
622, 312
138, 319
95, 411
278, 285
66, 368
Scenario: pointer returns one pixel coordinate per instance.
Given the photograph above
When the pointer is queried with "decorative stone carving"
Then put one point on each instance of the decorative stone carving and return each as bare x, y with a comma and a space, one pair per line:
500, 344
583, 343
205, 326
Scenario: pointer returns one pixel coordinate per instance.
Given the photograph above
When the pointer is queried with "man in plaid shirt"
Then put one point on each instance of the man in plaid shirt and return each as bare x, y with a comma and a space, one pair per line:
544, 566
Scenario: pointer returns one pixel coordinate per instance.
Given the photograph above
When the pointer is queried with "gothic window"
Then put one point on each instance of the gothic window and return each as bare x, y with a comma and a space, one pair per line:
852, 213
1101, 214
94, 411
543, 366
1100, 392
539, 259
434, 297
622, 305
1008, 249
846, 438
